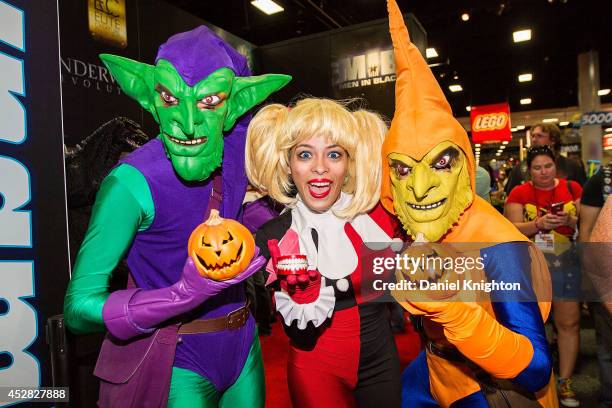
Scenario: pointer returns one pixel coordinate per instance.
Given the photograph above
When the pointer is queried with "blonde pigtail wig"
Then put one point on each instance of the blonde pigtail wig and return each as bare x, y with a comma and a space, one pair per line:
262, 156
365, 177
276, 130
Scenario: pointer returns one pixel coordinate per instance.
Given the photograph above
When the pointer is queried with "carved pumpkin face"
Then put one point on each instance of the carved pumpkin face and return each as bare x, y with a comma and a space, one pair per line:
221, 248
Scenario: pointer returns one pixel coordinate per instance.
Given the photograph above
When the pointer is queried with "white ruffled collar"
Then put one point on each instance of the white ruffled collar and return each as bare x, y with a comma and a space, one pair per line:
336, 257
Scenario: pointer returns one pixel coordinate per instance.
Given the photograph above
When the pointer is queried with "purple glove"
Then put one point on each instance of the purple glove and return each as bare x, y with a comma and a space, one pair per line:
131, 312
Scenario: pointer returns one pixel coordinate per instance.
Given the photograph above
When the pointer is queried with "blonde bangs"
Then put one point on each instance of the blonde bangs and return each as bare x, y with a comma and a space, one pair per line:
320, 117
276, 130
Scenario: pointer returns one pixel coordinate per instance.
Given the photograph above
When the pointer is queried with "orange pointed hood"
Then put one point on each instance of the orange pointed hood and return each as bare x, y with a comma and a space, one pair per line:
423, 118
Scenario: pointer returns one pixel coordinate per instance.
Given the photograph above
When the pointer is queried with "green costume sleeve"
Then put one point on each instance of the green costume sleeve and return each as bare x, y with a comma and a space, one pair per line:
123, 207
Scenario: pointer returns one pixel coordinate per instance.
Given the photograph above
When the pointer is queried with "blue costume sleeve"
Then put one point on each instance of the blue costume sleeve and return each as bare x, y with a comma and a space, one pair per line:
519, 312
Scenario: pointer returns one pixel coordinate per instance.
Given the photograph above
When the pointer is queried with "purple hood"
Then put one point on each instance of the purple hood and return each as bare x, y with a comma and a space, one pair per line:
196, 54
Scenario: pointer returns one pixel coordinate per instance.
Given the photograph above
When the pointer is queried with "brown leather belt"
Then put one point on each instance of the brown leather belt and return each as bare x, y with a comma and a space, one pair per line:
232, 321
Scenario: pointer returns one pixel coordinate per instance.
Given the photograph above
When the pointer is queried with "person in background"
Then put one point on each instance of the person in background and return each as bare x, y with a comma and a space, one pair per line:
577, 157
550, 135
596, 190
596, 265
546, 210
498, 194
483, 183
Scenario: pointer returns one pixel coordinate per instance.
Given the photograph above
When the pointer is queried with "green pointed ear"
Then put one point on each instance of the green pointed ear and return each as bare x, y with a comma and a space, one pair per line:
249, 91
135, 78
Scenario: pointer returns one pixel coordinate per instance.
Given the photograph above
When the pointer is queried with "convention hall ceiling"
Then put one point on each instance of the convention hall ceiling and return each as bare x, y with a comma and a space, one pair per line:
478, 53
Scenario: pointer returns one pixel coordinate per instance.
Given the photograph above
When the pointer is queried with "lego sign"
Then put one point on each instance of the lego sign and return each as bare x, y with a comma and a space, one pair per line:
490, 123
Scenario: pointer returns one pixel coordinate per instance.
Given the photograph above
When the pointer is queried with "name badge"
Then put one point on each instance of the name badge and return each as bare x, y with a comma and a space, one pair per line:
545, 241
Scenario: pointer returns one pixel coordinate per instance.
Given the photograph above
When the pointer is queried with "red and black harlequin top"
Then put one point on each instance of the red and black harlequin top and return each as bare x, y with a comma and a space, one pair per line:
352, 356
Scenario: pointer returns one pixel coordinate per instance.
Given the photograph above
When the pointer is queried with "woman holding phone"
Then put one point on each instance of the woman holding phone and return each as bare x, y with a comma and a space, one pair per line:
546, 210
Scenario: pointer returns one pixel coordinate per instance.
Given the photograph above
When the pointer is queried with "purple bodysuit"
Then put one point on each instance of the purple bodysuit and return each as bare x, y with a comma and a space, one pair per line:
157, 255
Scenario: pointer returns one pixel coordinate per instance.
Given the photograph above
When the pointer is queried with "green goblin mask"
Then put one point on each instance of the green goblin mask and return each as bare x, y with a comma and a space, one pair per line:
430, 194
192, 119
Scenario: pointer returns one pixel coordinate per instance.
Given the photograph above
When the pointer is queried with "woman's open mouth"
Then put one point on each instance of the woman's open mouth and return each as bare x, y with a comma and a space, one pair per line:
319, 188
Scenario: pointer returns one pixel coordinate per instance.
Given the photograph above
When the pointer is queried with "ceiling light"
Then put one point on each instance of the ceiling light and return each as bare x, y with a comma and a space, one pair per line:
465, 16
267, 6
525, 77
550, 120
603, 92
468, 108
505, 142
607, 130
513, 129
520, 127
521, 35
477, 144
498, 154
525, 101
431, 53
455, 88
502, 147
564, 123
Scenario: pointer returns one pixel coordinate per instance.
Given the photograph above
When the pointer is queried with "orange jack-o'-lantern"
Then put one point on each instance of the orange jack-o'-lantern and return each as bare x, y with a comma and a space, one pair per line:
221, 248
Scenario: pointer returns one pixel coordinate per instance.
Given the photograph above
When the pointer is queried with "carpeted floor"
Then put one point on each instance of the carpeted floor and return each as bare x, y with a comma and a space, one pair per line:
275, 348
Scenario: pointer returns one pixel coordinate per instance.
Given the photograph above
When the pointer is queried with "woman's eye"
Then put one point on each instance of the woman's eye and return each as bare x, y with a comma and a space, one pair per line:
304, 155
210, 101
443, 163
168, 98
334, 155
401, 170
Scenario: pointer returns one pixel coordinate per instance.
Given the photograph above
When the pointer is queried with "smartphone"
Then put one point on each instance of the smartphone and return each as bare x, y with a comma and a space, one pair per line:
556, 208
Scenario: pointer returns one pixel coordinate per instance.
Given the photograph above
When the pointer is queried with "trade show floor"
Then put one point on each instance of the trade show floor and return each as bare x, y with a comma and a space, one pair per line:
586, 382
